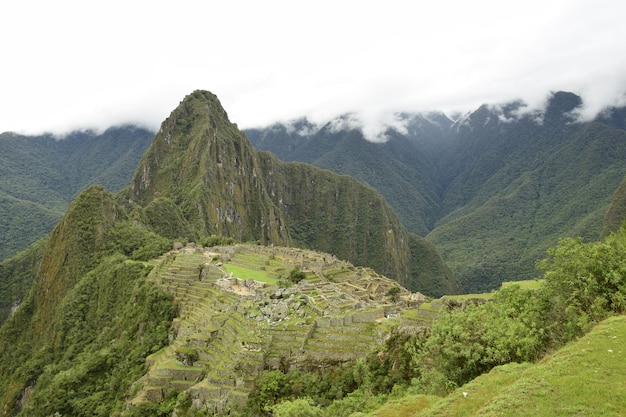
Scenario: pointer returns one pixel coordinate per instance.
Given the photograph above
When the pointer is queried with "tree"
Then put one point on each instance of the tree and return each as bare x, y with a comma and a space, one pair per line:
302, 407
394, 293
585, 282
296, 275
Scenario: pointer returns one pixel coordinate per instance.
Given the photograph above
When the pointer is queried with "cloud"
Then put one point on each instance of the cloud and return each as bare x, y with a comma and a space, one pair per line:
76, 65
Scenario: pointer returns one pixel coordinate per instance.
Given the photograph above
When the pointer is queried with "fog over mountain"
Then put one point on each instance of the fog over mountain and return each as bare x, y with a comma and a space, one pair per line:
73, 66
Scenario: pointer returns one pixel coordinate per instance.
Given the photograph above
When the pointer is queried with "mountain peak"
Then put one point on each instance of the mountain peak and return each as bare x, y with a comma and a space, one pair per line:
201, 176
561, 104
202, 169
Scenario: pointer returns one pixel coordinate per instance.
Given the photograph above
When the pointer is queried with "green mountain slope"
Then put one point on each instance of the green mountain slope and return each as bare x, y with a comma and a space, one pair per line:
204, 178
404, 169
77, 339
84, 295
492, 190
524, 198
91, 337
41, 175
616, 214
111, 328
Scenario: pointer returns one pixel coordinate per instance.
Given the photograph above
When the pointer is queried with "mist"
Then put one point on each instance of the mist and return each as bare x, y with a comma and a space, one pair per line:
75, 66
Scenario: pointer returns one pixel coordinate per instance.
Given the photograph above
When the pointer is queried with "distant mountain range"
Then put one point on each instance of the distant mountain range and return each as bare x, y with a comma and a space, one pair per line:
41, 175
492, 190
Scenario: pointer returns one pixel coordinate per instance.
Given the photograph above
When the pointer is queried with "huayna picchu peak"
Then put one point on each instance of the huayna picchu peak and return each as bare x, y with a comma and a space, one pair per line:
201, 176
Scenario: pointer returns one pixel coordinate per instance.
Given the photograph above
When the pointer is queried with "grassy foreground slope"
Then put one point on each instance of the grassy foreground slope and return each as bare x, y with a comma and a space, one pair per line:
584, 378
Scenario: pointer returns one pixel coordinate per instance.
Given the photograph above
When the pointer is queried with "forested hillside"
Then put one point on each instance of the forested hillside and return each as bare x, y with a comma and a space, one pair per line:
83, 318
492, 190
41, 175
201, 176
111, 314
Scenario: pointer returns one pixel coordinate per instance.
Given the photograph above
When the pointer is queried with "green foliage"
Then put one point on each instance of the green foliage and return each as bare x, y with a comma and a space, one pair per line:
357, 401
110, 322
22, 223
270, 388
301, 407
213, 240
187, 355
164, 408
585, 283
296, 275
394, 293
616, 214
466, 343
319, 386
166, 219
17, 275
82, 333
582, 378
41, 175
136, 242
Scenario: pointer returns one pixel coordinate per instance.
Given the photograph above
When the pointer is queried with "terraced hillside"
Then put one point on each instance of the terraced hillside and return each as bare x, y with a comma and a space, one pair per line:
240, 312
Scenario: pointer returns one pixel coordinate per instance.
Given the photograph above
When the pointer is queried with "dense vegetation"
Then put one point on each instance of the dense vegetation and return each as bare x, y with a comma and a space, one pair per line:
41, 175
83, 331
88, 319
584, 284
202, 177
492, 190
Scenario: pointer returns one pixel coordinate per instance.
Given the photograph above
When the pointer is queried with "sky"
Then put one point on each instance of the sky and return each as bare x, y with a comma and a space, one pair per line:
70, 65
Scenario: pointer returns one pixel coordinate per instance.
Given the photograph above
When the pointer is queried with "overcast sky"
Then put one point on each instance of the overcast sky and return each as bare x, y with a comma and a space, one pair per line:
90, 64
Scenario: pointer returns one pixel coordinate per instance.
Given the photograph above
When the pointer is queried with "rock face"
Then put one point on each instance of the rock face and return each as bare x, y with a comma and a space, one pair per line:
202, 177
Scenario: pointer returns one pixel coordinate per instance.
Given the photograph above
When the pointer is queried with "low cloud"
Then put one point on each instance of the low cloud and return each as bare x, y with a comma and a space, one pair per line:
71, 71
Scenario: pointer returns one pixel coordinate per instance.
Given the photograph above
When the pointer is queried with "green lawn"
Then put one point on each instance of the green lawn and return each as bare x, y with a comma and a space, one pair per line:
531, 284
247, 273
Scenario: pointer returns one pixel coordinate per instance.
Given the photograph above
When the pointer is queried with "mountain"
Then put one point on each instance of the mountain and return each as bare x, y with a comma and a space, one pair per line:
201, 176
492, 190
89, 316
41, 175
102, 301
119, 317
404, 169
616, 215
